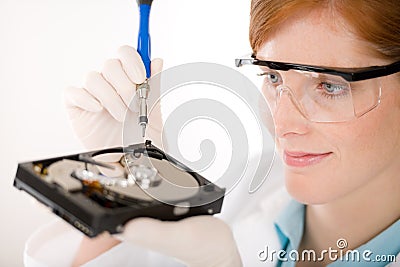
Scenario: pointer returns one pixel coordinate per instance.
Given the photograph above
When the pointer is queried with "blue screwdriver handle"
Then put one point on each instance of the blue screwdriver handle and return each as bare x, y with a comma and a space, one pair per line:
143, 46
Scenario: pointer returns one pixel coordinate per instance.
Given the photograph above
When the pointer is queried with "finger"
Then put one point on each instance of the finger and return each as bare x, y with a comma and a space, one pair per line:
132, 64
156, 66
152, 233
116, 76
155, 79
155, 120
105, 93
177, 238
157, 235
79, 97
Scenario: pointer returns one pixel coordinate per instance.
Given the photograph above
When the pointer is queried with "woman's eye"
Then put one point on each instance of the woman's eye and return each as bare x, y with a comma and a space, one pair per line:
272, 77
332, 88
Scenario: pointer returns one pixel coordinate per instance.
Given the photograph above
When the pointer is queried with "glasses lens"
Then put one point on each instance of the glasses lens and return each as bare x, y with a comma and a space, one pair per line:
319, 97
326, 98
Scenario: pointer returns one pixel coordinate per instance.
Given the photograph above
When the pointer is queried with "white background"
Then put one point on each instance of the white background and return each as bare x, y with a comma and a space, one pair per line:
47, 45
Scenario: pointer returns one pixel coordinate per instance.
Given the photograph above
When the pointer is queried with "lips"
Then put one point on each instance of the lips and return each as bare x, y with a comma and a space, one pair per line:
303, 159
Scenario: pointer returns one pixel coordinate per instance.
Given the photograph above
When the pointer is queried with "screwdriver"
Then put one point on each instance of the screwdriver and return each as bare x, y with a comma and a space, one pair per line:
143, 49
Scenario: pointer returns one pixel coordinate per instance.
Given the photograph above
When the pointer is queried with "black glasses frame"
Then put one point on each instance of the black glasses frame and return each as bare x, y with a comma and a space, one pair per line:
349, 74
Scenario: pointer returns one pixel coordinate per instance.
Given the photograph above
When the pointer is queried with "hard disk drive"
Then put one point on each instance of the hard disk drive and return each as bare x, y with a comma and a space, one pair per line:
101, 190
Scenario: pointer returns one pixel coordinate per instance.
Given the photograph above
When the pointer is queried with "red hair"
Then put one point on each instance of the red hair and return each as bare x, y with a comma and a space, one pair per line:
375, 21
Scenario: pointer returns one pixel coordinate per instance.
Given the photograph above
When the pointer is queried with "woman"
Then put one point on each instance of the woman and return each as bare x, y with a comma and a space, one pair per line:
337, 133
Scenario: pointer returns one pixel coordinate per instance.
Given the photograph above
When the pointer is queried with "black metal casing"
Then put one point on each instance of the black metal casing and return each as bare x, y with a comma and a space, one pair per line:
91, 218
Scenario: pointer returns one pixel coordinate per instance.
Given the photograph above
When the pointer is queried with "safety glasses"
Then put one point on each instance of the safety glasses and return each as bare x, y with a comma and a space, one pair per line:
349, 74
321, 94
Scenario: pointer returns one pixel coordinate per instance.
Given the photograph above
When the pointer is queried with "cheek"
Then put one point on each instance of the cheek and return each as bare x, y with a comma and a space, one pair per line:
372, 143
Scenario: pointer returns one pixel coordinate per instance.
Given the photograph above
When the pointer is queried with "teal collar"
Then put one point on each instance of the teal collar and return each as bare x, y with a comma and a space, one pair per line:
290, 226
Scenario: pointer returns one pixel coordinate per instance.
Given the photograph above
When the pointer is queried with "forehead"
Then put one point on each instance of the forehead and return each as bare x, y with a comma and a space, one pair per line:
317, 38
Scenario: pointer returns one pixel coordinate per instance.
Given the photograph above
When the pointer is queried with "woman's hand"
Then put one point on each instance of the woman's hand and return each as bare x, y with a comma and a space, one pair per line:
98, 110
199, 241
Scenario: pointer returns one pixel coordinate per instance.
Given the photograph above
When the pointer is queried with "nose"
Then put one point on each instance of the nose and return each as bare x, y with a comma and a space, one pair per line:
287, 116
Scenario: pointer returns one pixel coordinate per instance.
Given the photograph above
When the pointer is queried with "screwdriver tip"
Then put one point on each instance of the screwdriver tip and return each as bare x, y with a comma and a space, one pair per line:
143, 130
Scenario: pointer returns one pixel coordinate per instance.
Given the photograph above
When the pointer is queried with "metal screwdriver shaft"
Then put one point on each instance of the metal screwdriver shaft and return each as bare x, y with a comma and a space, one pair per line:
143, 92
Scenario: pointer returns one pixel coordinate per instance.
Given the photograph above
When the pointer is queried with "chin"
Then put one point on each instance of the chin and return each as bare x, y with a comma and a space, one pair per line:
309, 189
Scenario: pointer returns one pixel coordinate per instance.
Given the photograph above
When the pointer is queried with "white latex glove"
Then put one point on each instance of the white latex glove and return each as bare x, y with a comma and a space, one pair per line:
199, 241
97, 111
